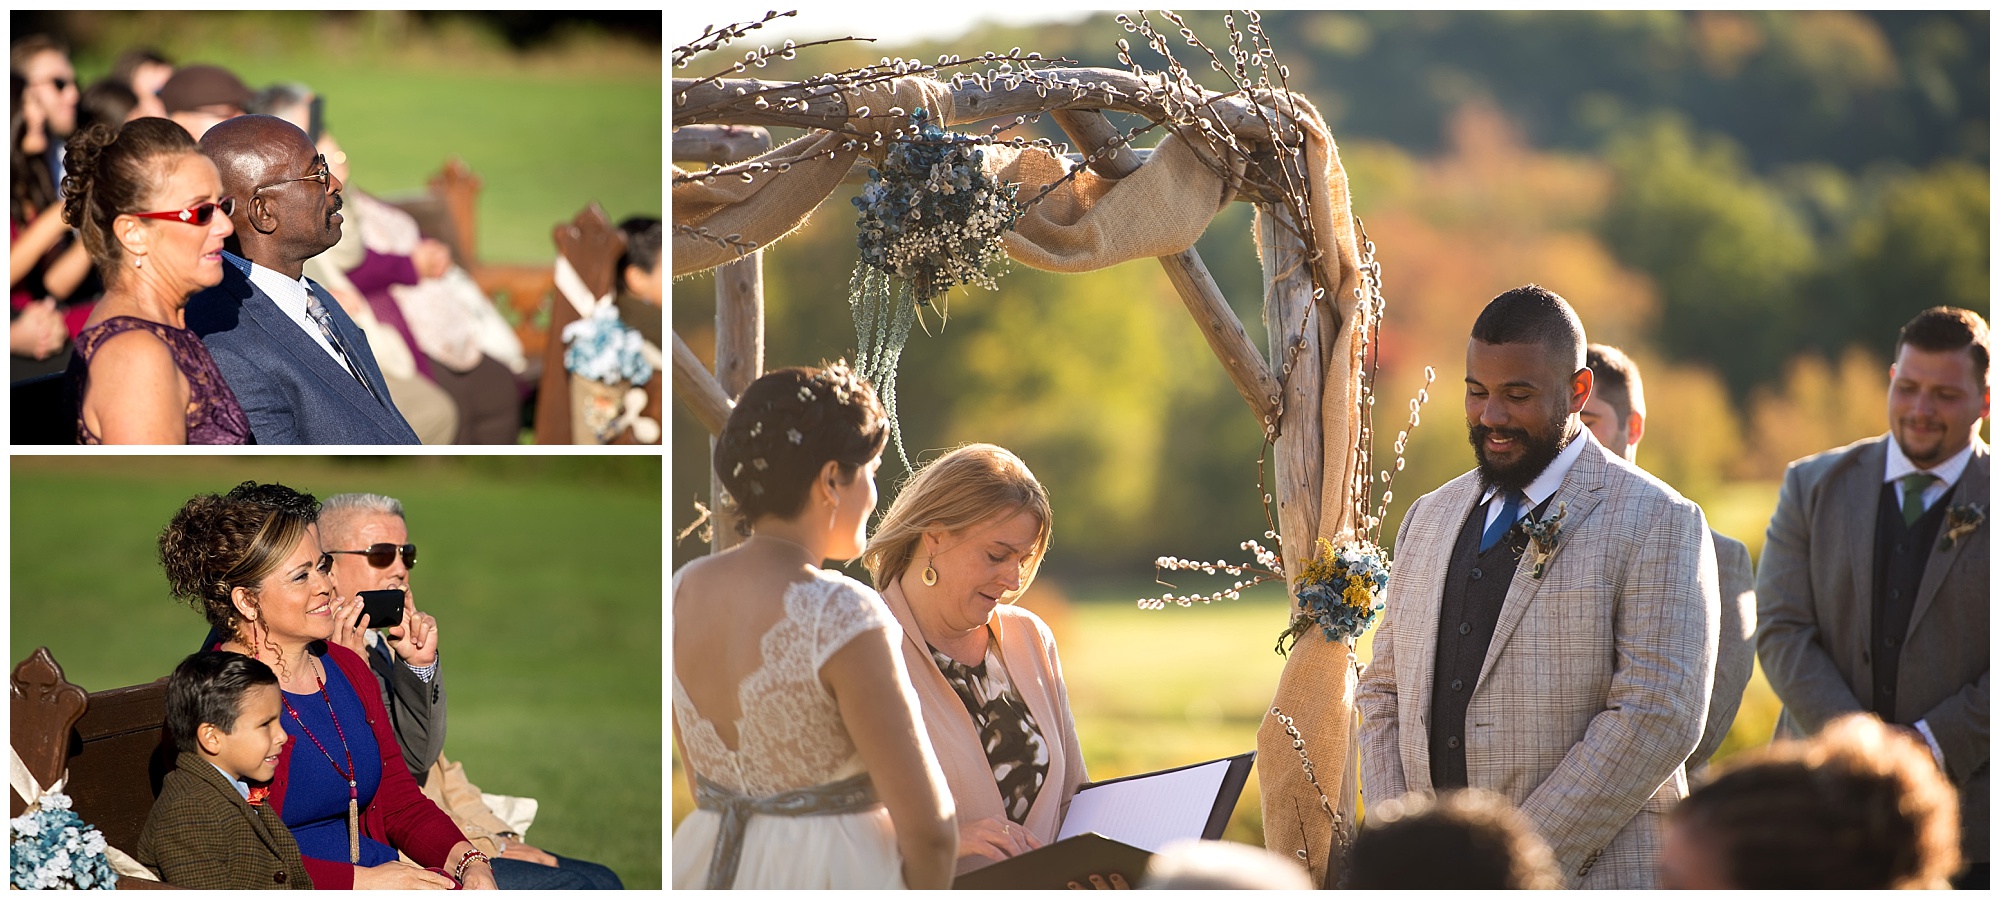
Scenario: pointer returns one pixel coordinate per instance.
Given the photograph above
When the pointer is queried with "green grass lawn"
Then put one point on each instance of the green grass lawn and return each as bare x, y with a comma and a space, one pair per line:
1156, 689
543, 572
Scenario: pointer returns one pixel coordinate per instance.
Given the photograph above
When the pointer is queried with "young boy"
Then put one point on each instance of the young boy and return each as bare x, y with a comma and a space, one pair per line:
211, 828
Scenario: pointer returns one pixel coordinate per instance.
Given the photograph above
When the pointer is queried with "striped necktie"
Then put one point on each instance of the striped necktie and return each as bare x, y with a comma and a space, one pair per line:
324, 319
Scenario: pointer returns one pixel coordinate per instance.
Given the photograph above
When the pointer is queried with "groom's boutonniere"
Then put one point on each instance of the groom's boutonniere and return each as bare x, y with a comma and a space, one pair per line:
1960, 520
1542, 537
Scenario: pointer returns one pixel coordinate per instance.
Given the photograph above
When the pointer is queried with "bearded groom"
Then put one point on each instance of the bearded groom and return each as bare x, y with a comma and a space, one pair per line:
1552, 616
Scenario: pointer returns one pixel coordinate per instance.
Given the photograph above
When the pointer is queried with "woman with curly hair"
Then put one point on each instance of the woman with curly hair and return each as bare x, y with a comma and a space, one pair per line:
150, 208
250, 561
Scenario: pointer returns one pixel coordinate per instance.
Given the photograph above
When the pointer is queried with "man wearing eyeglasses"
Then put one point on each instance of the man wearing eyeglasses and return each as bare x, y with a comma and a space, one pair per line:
300, 367
370, 543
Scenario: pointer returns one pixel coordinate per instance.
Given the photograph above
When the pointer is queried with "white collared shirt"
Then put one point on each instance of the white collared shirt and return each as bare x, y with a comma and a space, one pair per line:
1544, 486
293, 297
242, 790
1895, 465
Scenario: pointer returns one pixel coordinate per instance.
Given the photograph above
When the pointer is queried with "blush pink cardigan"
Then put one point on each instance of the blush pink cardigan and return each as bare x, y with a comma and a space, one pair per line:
1028, 651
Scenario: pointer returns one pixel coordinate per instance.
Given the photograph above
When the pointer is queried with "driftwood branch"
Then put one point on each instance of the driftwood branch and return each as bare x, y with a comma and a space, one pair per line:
718, 144
1197, 288
1295, 351
698, 390
809, 104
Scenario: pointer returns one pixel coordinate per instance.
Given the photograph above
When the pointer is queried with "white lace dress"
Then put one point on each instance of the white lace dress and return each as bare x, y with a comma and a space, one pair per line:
790, 736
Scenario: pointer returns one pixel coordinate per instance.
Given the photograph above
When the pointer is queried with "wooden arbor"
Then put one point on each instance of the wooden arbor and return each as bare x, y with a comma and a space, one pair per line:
1268, 148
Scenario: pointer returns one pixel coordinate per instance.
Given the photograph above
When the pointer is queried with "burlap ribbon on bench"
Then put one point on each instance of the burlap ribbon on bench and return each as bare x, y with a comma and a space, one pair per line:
31, 792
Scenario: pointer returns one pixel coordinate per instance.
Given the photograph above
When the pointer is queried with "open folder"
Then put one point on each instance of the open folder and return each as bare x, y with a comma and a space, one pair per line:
1117, 825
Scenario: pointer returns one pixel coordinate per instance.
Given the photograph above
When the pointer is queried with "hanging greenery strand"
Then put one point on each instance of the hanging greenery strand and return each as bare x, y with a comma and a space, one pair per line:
931, 220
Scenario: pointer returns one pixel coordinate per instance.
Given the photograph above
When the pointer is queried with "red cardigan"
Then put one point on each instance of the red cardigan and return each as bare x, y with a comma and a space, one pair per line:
400, 815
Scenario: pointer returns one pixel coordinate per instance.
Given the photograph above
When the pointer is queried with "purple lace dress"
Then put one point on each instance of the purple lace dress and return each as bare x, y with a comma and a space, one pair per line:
213, 415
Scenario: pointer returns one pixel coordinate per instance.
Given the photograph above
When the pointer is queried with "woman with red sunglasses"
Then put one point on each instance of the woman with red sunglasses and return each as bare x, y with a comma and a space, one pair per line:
149, 207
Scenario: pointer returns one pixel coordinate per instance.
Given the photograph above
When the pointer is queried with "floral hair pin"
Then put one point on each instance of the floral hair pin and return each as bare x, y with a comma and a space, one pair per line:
1960, 520
1542, 537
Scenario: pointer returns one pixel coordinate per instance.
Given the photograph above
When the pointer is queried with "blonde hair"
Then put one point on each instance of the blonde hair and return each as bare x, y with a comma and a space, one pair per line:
958, 490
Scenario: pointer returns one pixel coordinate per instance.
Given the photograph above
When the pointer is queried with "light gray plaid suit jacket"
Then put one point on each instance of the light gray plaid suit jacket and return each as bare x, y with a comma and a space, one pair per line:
1595, 686
1815, 590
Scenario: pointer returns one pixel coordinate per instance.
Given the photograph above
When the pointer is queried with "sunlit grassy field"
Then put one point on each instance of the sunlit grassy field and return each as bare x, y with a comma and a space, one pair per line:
1156, 689
543, 572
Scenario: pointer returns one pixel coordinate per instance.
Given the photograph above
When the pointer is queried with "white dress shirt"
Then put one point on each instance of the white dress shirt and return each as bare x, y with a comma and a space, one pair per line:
1544, 486
293, 297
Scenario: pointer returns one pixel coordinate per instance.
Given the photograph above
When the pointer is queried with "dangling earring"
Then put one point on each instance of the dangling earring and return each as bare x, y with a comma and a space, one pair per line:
930, 575
138, 262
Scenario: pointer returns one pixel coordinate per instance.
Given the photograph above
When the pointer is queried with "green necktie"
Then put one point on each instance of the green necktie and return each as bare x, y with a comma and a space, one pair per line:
1913, 495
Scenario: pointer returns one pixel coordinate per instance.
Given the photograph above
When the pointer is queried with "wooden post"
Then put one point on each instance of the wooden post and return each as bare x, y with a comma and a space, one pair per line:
739, 358
1294, 478
698, 389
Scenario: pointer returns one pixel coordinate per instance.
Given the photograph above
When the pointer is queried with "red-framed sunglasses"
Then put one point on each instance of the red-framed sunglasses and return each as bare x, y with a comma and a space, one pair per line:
200, 214
381, 555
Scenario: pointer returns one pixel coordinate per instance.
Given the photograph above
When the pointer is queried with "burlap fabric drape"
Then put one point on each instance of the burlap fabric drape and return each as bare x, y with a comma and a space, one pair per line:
1093, 222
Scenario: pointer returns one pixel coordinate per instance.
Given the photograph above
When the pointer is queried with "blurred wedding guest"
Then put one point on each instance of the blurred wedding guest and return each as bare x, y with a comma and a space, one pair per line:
144, 71
1190, 865
792, 707
302, 369
958, 547
1466, 839
106, 103
43, 62
1858, 806
45, 262
198, 97
151, 211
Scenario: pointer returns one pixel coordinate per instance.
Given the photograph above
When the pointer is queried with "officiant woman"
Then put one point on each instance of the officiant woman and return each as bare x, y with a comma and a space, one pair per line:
960, 544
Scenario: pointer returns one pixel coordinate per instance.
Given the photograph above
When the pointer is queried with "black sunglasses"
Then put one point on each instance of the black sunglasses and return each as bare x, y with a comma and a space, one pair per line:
381, 555
199, 214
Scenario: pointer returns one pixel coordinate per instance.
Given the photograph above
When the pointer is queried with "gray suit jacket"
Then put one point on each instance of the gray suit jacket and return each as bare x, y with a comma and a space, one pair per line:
1734, 655
1595, 686
1814, 591
292, 391
416, 708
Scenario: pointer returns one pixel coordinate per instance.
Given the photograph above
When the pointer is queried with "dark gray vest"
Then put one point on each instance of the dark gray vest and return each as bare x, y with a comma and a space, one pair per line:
1901, 552
1475, 587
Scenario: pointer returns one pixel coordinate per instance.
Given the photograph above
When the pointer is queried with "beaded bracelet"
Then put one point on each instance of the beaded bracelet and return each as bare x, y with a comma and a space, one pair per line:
471, 854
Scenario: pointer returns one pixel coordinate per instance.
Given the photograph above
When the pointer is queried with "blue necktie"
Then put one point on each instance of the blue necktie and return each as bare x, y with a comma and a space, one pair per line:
1509, 511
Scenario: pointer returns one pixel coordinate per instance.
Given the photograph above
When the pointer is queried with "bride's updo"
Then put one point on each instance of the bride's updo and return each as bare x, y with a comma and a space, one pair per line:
785, 428
112, 171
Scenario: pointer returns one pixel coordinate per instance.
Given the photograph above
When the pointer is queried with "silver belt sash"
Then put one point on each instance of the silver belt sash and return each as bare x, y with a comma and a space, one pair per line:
856, 794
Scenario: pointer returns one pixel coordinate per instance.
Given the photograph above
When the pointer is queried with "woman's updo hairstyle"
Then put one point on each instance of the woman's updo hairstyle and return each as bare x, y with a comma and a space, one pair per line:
112, 171
216, 544
972, 484
785, 428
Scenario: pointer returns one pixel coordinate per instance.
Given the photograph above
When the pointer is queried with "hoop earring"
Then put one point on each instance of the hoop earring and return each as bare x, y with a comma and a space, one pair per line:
930, 575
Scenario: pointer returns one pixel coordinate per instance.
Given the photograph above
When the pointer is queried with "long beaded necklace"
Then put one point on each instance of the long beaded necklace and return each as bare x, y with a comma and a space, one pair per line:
353, 792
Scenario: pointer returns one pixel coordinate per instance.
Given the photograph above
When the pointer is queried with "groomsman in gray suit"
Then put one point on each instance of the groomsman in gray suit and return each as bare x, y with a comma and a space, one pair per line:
301, 368
1551, 624
1616, 416
1873, 592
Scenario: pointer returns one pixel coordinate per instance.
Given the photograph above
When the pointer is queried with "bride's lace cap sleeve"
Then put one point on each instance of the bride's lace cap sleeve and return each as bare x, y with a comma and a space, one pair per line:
847, 610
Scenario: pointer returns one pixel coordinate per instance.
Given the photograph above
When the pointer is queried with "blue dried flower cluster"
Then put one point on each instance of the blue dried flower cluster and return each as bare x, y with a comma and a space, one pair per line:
604, 349
1340, 590
53, 848
930, 215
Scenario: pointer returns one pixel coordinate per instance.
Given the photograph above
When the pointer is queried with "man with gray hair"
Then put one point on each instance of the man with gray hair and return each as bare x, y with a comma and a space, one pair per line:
370, 542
